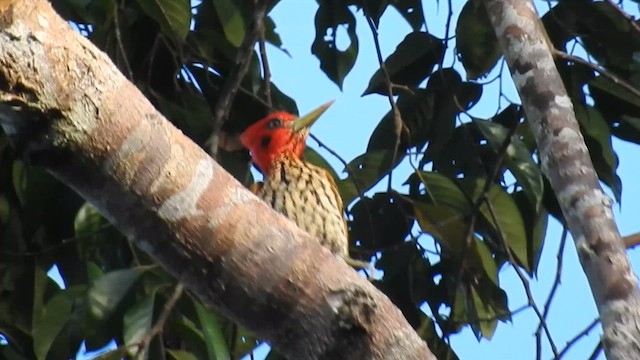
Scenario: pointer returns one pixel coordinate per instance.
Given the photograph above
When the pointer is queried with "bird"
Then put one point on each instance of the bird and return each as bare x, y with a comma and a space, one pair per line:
305, 193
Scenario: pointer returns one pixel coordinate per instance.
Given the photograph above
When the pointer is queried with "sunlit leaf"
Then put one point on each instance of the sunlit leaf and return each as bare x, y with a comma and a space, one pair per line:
443, 211
231, 19
488, 262
482, 320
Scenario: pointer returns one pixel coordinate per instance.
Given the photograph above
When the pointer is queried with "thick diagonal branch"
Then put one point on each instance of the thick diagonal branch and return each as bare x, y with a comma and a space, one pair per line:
71, 111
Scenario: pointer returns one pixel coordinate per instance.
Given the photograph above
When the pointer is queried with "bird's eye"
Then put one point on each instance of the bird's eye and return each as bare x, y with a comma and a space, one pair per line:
274, 124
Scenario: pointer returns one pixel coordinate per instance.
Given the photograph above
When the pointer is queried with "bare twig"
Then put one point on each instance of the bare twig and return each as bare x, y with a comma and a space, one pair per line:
116, 22
595, 67
596, 351
631, 241
523, 279
160, 322
576, 338
266, 72
630, 19
231, 85
397, 117
62, 243
552, 293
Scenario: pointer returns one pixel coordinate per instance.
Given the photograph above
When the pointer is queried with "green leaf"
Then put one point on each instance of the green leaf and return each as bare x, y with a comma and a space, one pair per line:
364, 172
536, 225
443, 211
598, 139
88, 221
181, 355
19, 175
271, 36
439, 347
316, 159
504, 217
412, 11
109, 290
231, 19
608, 86
55, 316
479, 312
117, 354
216, 341
335, 63
451, 96
476, 40
487, 261
4, 209
138, 320
174, 16
517, 159
374, 9
411, 62
379, 223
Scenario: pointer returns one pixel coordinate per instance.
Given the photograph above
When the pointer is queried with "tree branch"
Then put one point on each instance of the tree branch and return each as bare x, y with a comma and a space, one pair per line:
106, 141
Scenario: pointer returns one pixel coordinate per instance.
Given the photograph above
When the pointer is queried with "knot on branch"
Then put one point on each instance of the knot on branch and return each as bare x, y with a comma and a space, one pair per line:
353, 307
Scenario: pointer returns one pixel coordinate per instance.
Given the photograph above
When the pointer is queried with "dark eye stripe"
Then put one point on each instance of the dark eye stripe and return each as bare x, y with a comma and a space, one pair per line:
265, 141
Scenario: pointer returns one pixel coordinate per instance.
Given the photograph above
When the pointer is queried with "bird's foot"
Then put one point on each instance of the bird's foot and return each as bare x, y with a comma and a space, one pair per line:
367, 267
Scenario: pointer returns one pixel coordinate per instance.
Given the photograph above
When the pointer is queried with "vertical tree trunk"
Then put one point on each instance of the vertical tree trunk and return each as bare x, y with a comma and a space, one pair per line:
68, 108
566, 162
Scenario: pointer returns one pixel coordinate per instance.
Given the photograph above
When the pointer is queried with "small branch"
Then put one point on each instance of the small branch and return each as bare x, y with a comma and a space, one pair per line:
552, 293
266, 71
595, 67
162, 319
631, 241
397, 117
119, 40
630, 19
62, 243
242, 62
596, 351
523, 280
576, 338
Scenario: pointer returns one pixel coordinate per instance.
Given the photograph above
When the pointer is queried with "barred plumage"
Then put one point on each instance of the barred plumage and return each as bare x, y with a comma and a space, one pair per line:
301, 191
307, 195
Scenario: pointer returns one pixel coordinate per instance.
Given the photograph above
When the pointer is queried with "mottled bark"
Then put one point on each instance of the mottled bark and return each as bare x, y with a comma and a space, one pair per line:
566, 162
68, 108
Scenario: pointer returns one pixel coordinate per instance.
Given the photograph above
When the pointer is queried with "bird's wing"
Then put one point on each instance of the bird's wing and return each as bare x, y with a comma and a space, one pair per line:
256, 187
336, 193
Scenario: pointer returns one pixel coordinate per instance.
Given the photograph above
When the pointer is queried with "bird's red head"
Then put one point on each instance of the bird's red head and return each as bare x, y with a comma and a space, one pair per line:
273, 136
278, 134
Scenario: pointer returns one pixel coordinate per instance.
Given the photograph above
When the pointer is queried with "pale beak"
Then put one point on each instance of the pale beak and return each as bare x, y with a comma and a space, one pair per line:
305, 122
